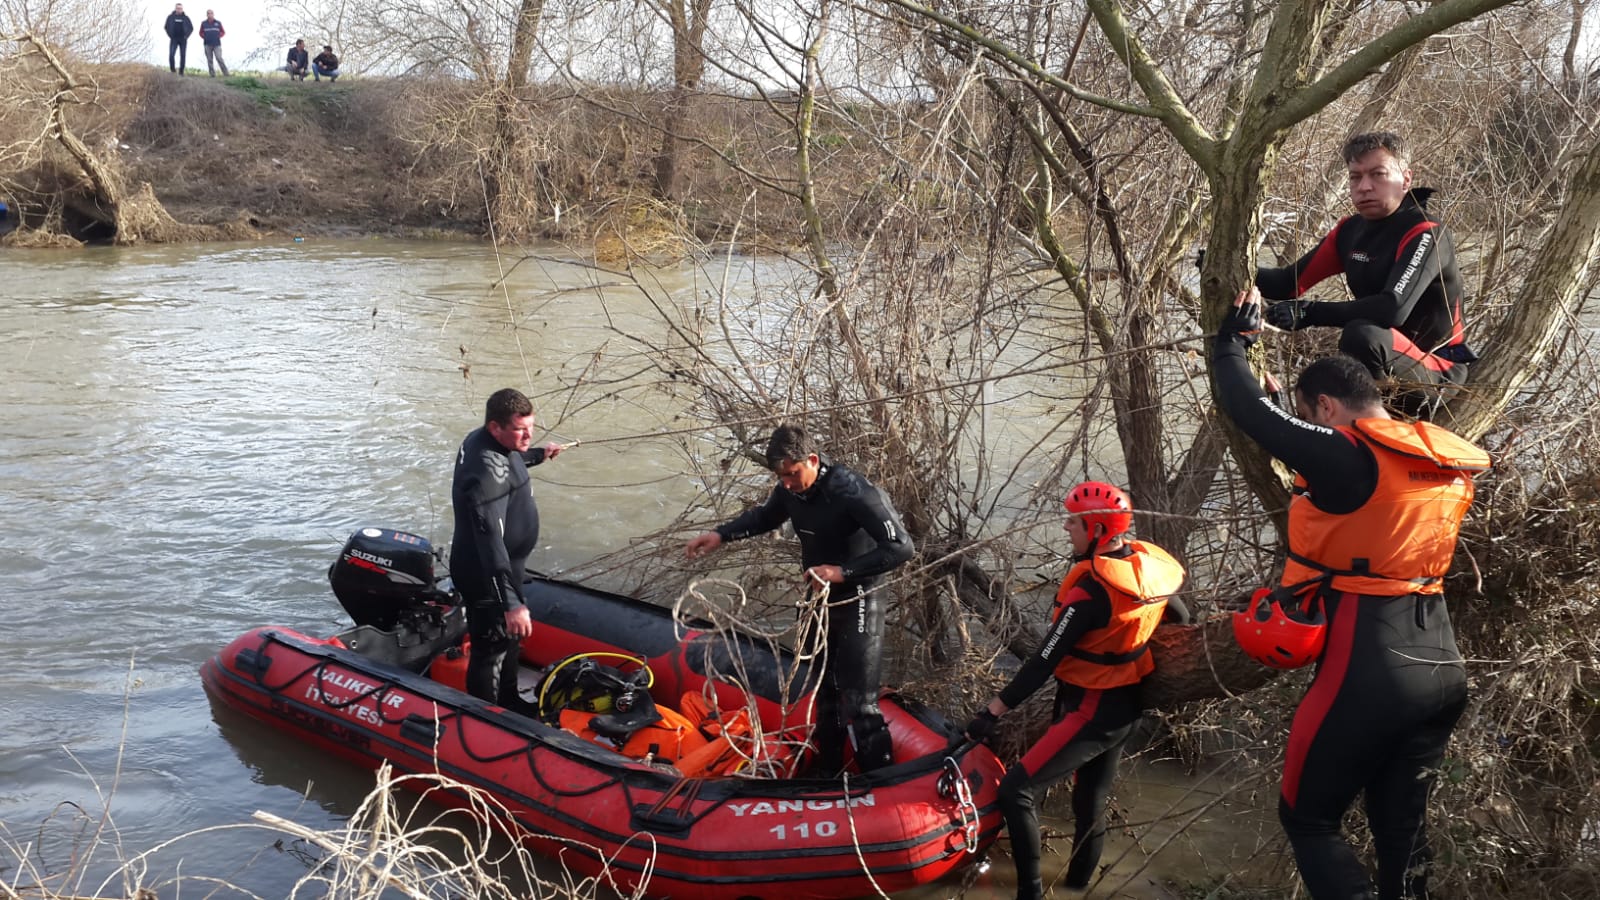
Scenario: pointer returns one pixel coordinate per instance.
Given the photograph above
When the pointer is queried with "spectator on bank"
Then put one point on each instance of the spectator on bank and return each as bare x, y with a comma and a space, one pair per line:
211, 32
326, 65
299, 61
178, 28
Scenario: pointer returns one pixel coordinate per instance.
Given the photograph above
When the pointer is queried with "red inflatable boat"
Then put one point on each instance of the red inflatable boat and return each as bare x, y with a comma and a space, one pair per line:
705, 805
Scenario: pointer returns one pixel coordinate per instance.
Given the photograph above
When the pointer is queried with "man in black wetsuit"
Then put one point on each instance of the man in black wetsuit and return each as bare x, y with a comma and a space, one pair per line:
850, 535
496, 527
1399, 263
1111, 601
1372, 530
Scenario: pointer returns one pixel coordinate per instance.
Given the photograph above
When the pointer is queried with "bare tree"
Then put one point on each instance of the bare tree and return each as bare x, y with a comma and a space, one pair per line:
92, 31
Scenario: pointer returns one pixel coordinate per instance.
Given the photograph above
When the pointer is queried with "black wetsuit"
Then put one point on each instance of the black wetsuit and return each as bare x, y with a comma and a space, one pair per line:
1405, 321
496, 528
1085, 740
1388, 690
845, 521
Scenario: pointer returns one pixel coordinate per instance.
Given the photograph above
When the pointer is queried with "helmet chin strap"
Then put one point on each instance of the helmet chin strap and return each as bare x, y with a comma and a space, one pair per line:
1094, 545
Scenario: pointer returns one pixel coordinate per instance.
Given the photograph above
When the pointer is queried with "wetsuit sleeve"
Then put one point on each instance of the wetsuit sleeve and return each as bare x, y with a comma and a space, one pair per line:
1416, 266
1290, 282
488, 496
869, 508
1088, 607
758, 520
1340, 473
535, 455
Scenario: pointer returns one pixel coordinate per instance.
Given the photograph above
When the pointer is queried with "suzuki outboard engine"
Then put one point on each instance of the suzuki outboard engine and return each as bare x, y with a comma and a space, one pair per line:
382, 574
384, 579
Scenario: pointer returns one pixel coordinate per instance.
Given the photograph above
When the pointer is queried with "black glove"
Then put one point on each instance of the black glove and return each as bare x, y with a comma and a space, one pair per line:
1200, 258
1242, 323
1289, 315
982, 725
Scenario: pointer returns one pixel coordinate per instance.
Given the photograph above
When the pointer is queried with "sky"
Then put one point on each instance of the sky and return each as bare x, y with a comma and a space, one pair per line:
241, 21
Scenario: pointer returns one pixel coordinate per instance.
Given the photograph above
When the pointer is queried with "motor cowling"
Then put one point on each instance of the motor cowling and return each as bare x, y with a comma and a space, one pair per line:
382, 574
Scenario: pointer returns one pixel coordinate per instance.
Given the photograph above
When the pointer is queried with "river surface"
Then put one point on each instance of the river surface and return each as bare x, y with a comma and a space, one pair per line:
188, 436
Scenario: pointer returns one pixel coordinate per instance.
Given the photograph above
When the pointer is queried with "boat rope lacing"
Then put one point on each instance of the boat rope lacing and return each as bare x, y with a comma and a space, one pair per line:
953, 785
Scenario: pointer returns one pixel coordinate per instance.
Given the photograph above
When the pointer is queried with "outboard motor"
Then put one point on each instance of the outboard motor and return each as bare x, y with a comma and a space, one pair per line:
382, 574
385, 580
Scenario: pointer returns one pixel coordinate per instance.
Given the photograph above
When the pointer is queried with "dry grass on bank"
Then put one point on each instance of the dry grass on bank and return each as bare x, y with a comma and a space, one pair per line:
387, 156
393, 845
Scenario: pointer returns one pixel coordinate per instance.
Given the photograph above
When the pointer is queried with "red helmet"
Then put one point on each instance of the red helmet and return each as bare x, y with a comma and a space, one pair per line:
1101, 504
1279, 638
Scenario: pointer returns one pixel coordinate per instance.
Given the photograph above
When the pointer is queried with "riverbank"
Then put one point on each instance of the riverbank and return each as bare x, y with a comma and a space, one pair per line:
259, 153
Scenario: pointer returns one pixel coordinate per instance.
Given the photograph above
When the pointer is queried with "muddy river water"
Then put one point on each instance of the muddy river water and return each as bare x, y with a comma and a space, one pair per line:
188, 434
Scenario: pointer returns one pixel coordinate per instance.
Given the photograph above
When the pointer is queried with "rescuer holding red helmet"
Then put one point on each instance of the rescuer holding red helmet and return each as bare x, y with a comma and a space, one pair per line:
1373, 523
1105, 611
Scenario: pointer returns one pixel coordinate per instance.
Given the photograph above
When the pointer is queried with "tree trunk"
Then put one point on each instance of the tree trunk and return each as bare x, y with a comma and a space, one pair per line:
1522, 341
688, 20
503, 175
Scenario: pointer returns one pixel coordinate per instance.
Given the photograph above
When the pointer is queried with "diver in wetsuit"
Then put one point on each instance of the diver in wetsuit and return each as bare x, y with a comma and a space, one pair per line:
496, 527
1372, 530
1106, 609
1400, 266
850, 535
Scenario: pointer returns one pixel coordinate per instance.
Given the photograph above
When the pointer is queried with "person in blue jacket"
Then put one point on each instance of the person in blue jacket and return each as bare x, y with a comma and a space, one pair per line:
178, 28
298, 63
211, 32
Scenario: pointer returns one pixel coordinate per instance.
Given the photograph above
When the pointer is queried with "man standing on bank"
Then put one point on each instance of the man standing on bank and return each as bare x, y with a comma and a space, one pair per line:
211, 32
1373, 523
1111, 601
496, 528
1404, 323
850, 535
178, 28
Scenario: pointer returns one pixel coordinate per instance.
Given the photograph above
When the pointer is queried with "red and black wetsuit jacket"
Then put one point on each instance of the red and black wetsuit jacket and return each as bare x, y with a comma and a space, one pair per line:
1401, 270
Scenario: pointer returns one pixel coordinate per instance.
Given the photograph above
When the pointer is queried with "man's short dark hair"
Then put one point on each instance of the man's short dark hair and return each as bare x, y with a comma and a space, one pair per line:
788, 442
505, 403
1342, 378
1361, 144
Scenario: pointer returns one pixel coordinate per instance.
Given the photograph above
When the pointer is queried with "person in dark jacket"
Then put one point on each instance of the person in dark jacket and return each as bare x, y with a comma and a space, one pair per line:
850, 536
298, 62
211, 32
326, 65
1399, 263
178, 28
496, 528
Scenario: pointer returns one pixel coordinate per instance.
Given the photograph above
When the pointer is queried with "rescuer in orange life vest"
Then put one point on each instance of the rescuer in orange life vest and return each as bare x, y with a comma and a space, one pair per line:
1105, 611
1373, 524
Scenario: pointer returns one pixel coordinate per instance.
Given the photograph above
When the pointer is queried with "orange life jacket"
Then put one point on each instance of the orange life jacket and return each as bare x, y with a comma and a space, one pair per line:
1138, 585
1402, 539
670, 739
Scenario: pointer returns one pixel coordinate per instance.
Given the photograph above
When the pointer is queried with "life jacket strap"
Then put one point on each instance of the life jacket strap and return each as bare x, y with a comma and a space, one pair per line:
1109, 659
1359, 568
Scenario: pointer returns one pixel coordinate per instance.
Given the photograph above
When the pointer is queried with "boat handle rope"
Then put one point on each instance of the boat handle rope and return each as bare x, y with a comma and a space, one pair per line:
953, 785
